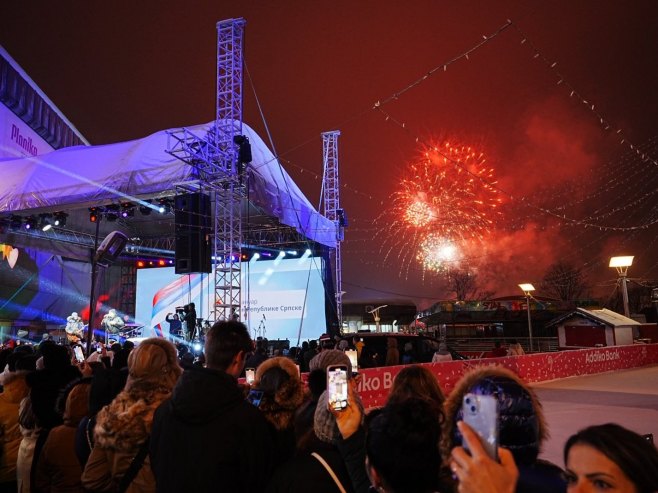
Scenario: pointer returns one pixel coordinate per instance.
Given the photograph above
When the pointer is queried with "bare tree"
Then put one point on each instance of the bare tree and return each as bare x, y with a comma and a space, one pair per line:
564, 281
463, 283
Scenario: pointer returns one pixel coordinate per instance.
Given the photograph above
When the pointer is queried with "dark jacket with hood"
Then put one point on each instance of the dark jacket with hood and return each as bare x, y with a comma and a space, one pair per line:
522, 427
208, 438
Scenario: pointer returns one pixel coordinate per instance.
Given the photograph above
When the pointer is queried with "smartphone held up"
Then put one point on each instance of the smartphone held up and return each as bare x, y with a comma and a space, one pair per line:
250, 375
480, 412
337, 387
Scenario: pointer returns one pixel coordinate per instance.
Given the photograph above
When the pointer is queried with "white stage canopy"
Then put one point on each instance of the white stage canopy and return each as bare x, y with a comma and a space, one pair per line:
80, 177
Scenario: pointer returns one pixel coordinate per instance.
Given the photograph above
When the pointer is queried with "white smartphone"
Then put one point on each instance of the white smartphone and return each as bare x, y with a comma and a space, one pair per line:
250, 375
353, 355
337, 386
480, 412
77, 350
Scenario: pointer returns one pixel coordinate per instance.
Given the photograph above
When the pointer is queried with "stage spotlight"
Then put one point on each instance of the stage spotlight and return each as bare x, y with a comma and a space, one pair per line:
164, 206
145, 210
60, 218
45, 222
140, 263
95, 214
30, 222
15, 222
161, 263
127, 210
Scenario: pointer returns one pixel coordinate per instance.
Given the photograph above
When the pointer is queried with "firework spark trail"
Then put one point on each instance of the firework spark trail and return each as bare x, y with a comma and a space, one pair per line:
439, 208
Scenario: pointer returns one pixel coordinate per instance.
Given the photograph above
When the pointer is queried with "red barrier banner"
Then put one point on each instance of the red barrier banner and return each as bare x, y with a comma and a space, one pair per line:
376, 383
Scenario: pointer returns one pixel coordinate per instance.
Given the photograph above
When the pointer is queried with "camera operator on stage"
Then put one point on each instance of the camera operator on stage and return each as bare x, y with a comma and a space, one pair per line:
190, 319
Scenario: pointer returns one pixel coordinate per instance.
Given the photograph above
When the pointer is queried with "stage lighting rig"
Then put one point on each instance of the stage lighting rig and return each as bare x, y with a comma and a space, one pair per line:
127, 210
15, 222
31, 222
60, 218
145, 210
95, 214
45, 222
112, 212
164, 206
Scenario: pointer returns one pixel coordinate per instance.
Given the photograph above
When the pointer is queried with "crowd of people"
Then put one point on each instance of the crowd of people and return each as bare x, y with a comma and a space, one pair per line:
148, 418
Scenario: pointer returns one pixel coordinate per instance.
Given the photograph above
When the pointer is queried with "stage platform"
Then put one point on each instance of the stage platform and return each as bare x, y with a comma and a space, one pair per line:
627, 397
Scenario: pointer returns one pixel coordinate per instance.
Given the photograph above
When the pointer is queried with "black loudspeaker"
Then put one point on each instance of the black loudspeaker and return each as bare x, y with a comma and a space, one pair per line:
193, 233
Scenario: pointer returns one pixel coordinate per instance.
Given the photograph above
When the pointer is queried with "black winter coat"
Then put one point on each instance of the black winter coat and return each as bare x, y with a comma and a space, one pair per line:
207, 438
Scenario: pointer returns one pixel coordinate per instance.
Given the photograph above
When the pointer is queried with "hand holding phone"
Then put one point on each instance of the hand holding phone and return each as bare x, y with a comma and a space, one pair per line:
250, 375
337, 387
255, 396
77, 350
480, 412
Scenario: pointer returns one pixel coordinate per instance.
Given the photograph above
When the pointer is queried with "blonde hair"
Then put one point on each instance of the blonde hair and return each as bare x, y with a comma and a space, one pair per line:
153, 363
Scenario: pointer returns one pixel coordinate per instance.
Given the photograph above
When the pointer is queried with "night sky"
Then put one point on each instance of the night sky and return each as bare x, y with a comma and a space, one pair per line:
121, 70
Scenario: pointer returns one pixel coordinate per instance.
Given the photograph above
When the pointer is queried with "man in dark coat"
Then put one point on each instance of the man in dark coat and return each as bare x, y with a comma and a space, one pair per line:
207, 437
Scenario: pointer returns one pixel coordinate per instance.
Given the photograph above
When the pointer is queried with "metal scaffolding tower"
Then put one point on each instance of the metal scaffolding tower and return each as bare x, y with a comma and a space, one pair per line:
332, 210
215, 156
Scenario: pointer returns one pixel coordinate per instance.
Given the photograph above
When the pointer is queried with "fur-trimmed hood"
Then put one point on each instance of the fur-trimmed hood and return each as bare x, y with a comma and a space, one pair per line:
279, 406
522, 426
126, 422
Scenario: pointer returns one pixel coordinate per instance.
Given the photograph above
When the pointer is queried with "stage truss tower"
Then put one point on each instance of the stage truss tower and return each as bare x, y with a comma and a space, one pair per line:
215, 156
332, 210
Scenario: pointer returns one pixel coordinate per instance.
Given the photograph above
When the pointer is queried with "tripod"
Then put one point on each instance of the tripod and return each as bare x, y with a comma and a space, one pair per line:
260, 331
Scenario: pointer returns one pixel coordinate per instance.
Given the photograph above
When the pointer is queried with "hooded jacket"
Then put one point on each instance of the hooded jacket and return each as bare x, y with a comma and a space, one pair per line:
121, 429
15, 389
208, 438
58, 468
521, 425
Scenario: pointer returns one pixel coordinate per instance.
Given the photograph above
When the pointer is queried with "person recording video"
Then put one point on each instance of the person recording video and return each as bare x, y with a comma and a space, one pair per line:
175, 325
190, 319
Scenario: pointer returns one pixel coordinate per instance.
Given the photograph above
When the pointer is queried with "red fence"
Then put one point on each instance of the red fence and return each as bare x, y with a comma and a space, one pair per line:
376, 382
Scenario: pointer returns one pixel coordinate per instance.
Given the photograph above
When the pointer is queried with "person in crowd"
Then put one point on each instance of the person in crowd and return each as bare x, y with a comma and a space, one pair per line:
477, 472
207, 437
326, 342
522, 427
30, 432
358, 345
58, 468
402, 447
417, 381
408, 356
310, 353
283, 394
259, 355
14, 390
343, 345
303, 366
392, 352
514, 348
369, 357
610, 458
318, 465
442, 354
498, 351
105, 385
119, 459
190, 320
45, 386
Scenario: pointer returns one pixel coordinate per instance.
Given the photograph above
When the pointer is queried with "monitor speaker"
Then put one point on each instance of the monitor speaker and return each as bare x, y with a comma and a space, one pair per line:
194, 242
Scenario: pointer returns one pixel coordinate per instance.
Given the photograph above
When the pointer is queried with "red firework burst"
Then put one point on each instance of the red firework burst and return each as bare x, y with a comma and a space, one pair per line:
449, 193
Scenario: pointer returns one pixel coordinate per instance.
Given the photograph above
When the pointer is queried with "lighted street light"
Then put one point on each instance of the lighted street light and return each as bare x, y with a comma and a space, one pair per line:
527, 289
622, 264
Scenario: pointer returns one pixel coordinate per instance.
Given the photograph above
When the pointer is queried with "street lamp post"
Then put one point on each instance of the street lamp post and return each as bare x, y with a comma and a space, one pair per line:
527, 289
622, 264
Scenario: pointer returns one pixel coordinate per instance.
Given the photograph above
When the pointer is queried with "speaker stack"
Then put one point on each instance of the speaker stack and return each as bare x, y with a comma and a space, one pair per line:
193, 233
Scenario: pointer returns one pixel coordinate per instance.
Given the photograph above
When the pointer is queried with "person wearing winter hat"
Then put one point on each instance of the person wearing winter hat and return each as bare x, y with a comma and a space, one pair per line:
58, 468
319, 466
283, 393
522, 427
123, 428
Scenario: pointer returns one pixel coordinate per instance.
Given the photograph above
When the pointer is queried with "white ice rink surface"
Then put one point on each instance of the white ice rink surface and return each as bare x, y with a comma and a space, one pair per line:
626, 397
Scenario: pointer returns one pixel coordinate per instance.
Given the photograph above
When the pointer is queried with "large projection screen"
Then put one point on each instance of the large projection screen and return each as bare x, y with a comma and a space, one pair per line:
284, 298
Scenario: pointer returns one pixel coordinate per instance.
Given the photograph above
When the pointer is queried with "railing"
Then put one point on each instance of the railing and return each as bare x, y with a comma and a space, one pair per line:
485, 344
